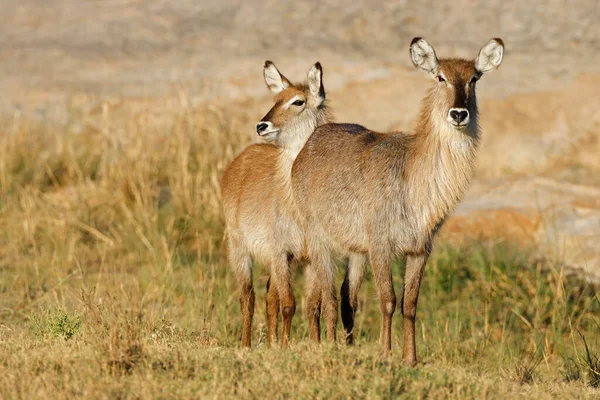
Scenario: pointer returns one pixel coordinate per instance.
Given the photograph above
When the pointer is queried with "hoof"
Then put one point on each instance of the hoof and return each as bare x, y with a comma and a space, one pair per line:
410, 363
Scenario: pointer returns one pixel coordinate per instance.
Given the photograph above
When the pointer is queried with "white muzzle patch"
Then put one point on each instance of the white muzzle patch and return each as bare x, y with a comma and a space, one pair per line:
267, 131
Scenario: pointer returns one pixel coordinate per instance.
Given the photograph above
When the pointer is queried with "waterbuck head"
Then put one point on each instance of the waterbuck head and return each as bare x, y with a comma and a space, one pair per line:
453, 96
299, 108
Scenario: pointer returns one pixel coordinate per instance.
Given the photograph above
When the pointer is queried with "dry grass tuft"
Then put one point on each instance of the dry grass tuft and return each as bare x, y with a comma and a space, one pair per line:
523, 371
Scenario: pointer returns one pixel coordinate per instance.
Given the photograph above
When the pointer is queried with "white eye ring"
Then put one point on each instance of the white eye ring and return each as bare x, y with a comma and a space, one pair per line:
295, 102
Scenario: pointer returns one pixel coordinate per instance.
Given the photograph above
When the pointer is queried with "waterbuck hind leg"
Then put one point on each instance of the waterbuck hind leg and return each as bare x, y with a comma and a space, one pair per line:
282, 278
415, 264
313, 303
353, 279
272, 312
348, 309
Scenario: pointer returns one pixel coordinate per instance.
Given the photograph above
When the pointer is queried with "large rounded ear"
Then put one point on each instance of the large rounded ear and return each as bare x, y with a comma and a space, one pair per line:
315, 81
490, 55
276, 82
423, 56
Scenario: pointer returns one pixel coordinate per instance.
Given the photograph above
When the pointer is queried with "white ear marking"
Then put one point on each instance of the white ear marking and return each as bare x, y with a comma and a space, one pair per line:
423, 56
490, 55
315, 81
275, 81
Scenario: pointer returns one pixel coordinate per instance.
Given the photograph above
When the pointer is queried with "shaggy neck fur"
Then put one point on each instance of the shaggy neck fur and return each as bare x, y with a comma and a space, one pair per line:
440, 164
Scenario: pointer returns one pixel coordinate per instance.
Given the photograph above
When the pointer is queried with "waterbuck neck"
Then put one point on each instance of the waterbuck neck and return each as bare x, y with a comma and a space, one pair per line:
441, 163
297, 135
296, 132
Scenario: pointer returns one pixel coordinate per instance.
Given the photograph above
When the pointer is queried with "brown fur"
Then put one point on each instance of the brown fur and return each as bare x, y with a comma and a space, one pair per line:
255, 188
386, 195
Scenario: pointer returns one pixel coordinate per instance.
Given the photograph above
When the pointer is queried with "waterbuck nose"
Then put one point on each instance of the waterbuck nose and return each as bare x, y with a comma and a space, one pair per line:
261, 126
459, 115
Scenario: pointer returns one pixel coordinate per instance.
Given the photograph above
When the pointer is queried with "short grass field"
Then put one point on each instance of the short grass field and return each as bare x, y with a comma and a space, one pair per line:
114, 283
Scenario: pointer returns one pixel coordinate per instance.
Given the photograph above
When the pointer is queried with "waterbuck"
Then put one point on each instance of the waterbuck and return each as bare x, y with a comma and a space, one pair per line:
256, 188
386, 195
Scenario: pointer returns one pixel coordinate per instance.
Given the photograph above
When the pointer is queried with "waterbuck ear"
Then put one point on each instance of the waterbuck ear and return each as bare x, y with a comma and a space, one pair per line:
423, 56
315, 81
276, 82
490, 55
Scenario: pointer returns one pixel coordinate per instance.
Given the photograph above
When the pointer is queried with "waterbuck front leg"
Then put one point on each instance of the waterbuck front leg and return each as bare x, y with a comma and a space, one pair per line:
353, 279
272, 312
324, 274
241, 262
415, 265
280, 270
381, 262
329, 302
247, 305
313, 303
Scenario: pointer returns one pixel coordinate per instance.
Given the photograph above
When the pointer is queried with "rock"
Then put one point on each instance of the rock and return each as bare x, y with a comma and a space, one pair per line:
561, 220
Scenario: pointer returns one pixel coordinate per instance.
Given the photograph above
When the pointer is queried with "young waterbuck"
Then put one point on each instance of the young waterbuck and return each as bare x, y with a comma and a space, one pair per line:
387, 195
255, 191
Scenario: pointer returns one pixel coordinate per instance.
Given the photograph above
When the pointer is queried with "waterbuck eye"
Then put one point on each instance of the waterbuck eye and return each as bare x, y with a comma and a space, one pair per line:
298, 103
474, 79
440, 78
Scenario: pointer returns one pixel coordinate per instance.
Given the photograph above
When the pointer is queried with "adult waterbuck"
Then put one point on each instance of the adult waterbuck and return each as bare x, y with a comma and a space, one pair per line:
386, 195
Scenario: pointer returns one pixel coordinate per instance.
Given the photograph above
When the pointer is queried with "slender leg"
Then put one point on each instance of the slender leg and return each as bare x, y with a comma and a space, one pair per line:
313, 303
415, 264
242, 266
329, 306
247, 304
355, 274
281, 274
272, 312
348, 309
329, 303
324, 270
382, 274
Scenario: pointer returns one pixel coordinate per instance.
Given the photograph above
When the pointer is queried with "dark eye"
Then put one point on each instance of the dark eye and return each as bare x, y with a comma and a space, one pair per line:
298, 103
440, 78
474, 79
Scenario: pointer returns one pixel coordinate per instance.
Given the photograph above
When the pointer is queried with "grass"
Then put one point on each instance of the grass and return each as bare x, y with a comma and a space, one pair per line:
114, 284
57, 323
